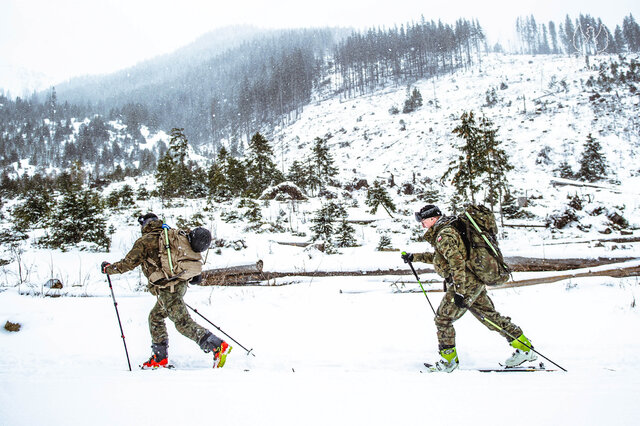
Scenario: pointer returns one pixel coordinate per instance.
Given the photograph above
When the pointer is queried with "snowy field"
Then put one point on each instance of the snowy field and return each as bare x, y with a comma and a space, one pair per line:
339, 350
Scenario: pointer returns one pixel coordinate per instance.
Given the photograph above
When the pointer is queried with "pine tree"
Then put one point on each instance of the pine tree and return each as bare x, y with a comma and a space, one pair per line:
262, 171
497, 163
564, 170
471, 163
322, 168
172, 173
378, 196
384, 243
323, 228
34, 211
593, 162
413, 101
299, 174
78, 218
345, 235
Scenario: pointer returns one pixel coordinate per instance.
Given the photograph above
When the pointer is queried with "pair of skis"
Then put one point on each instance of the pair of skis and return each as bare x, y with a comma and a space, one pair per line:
505, 369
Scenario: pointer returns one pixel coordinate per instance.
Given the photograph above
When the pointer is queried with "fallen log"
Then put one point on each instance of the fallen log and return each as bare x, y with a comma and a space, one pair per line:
630, 271
233, 275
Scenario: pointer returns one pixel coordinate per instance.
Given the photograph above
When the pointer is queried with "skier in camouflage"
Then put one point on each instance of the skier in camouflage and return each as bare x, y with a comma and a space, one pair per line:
170, 303
463, 289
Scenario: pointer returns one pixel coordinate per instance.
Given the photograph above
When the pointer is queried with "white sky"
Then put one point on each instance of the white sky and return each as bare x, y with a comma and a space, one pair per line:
66, 38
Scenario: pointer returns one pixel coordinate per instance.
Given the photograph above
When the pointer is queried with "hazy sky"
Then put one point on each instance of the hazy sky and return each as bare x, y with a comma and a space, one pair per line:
65, 38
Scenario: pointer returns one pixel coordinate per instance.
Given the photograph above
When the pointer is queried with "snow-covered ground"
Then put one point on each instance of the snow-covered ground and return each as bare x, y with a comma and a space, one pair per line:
327, 350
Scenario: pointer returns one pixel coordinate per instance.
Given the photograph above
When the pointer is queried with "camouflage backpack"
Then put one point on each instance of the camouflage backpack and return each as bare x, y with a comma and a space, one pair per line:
179, 261
478, 229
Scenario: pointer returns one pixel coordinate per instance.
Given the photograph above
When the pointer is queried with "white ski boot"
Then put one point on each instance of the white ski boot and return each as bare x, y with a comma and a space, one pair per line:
447, 364
524, 352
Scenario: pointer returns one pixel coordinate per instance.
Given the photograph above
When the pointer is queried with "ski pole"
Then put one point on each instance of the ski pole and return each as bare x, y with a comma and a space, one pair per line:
423, 291
488, 321
249, 351
119, 323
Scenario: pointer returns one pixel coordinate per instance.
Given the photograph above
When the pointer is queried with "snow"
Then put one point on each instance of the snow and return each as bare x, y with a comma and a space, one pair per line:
349, 350
340, 350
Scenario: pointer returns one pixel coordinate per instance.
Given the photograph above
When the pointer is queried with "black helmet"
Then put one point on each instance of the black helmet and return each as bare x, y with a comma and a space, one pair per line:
428, 211
200, 239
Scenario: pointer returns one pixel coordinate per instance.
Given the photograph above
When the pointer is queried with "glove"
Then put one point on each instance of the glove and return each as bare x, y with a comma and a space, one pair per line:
458, 299
103, 267
407, 257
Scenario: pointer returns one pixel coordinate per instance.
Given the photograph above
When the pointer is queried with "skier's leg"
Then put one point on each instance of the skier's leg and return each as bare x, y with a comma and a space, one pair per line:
177, 312
484, 305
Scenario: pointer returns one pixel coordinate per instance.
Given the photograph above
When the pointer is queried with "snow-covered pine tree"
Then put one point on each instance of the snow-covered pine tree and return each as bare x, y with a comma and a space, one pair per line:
323, 228
378, 196
345, 234
564, 170
262, 171
592, 162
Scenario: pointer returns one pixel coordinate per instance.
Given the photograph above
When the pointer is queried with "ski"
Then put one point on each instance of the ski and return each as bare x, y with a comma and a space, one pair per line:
168, 367
505, 369
514, 369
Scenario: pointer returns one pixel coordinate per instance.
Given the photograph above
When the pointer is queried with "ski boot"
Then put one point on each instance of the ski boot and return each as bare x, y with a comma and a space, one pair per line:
447, 364
210, 342
220, 355
159, 358
523, 352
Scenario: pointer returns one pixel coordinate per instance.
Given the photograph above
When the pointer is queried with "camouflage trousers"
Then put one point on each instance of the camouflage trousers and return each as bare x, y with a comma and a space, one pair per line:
448, 313
171, 305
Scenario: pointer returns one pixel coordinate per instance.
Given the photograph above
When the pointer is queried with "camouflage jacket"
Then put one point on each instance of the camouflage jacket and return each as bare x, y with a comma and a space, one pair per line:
145, 252
449, 256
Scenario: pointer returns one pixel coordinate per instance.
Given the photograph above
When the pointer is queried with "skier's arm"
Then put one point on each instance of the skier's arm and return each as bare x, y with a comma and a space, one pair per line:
130, 261
450, 245
423, 257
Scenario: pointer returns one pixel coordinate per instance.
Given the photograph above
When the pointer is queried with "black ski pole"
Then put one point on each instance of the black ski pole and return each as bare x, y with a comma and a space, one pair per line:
488, 321
249, 351
423, 291
119, 323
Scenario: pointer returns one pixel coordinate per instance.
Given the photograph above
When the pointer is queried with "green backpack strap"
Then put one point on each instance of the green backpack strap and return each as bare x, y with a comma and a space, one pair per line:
166, 228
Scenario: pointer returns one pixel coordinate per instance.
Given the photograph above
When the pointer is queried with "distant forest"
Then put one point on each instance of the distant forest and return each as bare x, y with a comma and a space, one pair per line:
259, 83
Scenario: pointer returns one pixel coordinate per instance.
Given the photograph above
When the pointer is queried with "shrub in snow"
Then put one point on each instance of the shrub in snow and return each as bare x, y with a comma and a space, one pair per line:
561, 220
384, 244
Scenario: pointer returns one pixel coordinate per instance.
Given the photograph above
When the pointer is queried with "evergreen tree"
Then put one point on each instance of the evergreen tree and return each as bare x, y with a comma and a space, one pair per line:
172, 173
497, 163
510, 207
78, 218
384, 243
323, 228
34, 212
592, 162
468, 168
413, 101
345, 235
322, 168
299, 174
262, 171
564, 170
378, 196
